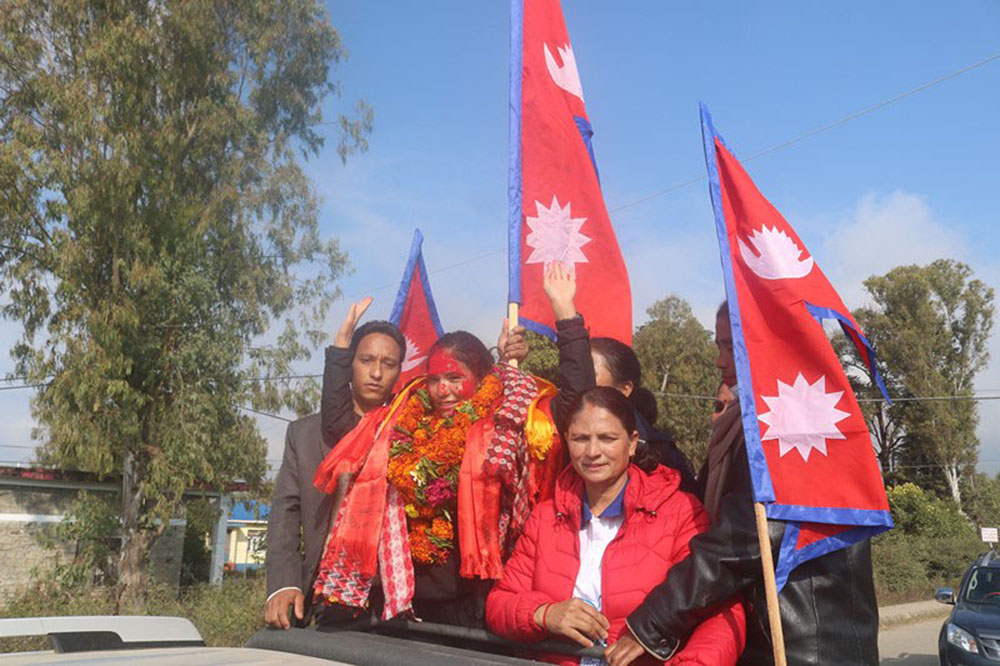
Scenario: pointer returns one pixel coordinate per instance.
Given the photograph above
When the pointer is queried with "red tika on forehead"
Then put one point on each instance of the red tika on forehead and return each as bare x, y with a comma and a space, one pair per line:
443, 362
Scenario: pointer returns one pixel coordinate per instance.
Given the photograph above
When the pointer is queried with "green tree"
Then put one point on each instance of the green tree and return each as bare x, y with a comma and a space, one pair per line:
981, 499
885, 422
930, 325
677, 355
932, 543
155, 224
543, 356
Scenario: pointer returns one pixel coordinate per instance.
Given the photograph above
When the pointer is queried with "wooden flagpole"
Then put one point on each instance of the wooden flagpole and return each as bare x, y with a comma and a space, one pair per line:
770, 585
511, 323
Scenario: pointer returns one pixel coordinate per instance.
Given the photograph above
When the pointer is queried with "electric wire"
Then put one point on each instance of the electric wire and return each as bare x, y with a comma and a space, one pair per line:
779, 146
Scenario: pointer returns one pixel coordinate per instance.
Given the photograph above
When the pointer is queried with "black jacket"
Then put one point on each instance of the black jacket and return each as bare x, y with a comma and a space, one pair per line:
828, 611
336, 402
576, 375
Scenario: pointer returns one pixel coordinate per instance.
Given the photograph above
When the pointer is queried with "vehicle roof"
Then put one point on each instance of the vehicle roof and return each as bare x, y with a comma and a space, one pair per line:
184, 656
989, 559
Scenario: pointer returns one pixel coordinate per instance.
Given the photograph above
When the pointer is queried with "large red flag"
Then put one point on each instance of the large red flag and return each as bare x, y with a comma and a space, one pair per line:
811, 456
556, 210
415, 314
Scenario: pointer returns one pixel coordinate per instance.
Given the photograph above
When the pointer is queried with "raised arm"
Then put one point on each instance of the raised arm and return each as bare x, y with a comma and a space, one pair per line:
338, 412
576, 366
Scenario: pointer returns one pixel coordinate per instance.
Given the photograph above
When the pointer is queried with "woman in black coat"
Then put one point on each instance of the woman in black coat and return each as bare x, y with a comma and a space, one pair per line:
585, 362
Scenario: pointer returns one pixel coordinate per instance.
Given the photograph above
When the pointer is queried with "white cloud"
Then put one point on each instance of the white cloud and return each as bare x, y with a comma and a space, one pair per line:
900, 228
883, 232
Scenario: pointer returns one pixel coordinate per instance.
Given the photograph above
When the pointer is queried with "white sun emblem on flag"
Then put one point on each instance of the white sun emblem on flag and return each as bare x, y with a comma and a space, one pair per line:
555, 235
777, 256
803, 416
412, 360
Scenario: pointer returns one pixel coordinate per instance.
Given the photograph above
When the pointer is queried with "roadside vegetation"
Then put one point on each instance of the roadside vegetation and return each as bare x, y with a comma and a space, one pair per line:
225, 615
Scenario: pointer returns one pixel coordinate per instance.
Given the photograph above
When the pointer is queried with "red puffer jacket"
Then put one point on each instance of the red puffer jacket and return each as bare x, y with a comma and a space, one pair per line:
659, 522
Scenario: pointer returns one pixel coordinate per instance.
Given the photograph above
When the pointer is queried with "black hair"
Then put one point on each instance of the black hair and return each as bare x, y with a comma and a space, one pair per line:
383, 327
624, 367
468, 349
621, 408
723, 310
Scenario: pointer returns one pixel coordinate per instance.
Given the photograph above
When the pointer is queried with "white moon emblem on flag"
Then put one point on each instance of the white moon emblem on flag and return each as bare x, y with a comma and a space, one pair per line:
555, 235
803, 416
412, 360
566, 77
776, 257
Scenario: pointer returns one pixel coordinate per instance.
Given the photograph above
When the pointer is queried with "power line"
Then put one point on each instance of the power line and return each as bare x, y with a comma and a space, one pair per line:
875, 107
21, 386
822, 128
252, 379
434, 272
930, 398
682, 396
273, 416
779, 146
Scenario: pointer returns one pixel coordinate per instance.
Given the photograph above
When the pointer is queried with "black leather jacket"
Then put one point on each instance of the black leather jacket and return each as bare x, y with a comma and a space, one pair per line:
828, 611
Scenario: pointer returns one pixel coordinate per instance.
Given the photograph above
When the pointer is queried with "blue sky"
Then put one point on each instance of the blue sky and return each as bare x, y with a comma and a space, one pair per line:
907, 183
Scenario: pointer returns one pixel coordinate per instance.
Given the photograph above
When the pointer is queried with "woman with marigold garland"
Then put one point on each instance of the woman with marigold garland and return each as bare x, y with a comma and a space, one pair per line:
437, 486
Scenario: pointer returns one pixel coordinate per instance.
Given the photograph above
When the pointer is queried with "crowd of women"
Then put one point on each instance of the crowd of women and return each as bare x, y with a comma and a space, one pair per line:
481, 496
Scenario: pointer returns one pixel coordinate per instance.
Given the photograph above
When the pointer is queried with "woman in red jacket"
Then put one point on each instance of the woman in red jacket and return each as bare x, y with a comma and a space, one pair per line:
610, 534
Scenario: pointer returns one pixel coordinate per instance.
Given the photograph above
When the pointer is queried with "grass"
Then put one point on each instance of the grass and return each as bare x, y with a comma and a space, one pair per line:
226, 616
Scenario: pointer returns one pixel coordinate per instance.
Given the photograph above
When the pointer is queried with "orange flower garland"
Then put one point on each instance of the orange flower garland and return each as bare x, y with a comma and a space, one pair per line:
425, 455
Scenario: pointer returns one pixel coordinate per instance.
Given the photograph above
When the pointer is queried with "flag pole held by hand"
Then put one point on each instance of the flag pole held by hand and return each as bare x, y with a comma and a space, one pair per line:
770, 586
511, 325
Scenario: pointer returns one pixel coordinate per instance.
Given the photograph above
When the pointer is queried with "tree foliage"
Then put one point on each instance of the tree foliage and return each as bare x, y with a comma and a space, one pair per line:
932, 543
155, 224
930, 326
543, 357
677, 355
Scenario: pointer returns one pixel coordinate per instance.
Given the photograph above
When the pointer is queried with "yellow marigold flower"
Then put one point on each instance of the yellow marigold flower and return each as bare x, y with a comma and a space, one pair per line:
442, 529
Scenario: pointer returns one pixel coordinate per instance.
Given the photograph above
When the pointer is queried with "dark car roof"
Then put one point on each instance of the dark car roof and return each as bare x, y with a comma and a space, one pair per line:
990, 559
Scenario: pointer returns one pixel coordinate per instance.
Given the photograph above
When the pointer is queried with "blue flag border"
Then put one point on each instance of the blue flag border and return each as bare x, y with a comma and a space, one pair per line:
415, 260
867, 522
515, 184
790, 557
759, 473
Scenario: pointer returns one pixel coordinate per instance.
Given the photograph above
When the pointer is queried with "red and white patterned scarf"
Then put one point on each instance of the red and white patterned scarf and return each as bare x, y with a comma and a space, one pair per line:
341, 577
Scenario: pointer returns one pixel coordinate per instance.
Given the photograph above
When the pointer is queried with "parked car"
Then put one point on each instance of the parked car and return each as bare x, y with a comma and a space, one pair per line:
971, 634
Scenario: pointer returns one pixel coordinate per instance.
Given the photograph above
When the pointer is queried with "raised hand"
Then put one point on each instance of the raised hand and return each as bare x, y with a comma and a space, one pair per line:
559, 283
346, 330
574, 619
512, 345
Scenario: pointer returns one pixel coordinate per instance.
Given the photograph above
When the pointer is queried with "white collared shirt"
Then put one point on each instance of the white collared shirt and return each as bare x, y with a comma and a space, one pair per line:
596, 532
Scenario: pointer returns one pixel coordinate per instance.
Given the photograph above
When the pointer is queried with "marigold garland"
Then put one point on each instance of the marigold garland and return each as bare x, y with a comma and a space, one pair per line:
425, 454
